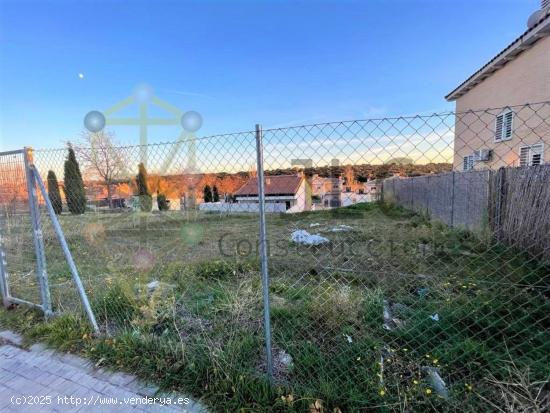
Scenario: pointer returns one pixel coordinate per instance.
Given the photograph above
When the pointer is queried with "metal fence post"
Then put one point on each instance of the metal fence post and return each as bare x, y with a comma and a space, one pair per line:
42, 274
4, 285
263, 252
66, 252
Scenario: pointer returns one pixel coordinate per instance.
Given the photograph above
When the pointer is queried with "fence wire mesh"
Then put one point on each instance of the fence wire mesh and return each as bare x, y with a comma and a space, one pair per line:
16, 230
408, 260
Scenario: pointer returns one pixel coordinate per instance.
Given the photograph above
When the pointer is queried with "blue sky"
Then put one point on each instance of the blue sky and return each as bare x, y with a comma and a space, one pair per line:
238, 63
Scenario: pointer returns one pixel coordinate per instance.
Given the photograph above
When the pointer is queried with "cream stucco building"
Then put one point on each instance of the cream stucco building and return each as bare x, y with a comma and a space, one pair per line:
513, 134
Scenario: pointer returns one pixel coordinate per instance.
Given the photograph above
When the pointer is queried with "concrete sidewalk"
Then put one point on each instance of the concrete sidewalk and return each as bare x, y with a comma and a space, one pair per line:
41, 380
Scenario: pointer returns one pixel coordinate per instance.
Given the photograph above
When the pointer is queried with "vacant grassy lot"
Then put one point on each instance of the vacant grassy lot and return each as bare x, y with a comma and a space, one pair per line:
456, 302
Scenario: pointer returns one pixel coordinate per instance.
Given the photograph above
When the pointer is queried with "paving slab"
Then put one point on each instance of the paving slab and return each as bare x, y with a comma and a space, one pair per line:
39, 379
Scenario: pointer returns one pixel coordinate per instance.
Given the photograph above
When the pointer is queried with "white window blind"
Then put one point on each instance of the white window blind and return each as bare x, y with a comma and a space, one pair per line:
504, 126
531, 155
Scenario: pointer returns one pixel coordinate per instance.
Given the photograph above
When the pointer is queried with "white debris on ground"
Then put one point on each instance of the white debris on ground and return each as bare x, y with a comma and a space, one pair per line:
303, 237
388, 323
152, 286
384, 352
341, 228
435, 317
284, 358
282, 364
437, 382
348, 338
157, 287
314, 224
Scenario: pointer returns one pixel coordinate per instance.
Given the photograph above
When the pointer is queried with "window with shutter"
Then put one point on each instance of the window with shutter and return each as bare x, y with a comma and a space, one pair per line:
468, 163
504, 126
524, 156
498, 128
508, 121
536, 154
531, 155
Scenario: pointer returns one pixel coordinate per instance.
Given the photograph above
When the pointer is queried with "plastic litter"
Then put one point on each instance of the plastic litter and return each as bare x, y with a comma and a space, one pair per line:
305, 238
341, 228
437, 382
422, 292
435, 317
152, 286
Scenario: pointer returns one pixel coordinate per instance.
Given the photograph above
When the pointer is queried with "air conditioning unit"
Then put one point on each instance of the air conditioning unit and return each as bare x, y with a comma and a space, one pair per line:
482, 155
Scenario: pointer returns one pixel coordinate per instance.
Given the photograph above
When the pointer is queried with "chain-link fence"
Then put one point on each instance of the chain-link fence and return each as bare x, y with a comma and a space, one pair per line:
392, 282
17, 231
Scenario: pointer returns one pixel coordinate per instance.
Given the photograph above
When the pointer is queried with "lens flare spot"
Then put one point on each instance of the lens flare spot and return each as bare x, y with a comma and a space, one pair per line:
191, 234
94, 233
143, 260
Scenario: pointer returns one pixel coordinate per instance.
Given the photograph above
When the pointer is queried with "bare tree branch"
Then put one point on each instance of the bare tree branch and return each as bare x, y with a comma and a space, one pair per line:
101, 160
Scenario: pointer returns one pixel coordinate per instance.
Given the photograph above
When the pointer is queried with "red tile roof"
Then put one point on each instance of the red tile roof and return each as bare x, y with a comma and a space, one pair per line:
274, 185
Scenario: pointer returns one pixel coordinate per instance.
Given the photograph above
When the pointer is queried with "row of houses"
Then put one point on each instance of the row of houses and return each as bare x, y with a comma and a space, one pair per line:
283, 193
297, 193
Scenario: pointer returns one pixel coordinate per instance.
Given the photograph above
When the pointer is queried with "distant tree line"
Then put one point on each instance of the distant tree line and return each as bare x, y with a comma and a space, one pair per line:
75, 192
367, 172
107, 170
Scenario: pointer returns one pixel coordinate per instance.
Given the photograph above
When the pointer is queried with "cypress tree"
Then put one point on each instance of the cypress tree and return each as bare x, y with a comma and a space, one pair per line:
145, 198
74, 185
53, 192
215, 194
207, 194
162, 202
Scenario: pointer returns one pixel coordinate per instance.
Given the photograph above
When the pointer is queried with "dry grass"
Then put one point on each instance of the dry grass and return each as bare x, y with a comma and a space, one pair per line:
201, 329
518, 392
